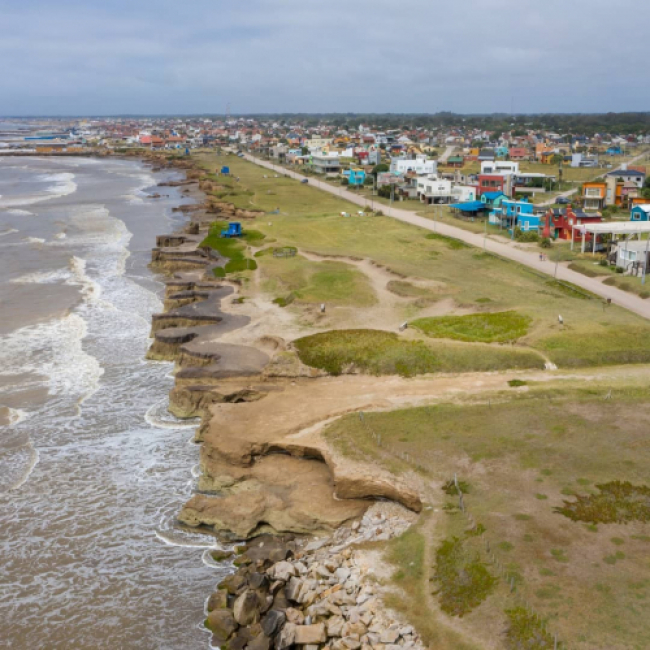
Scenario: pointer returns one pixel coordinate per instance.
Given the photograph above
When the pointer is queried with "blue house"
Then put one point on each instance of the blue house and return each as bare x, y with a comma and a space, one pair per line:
501, 152
640, 212
356, 177
493, 199
614, 151
517, 214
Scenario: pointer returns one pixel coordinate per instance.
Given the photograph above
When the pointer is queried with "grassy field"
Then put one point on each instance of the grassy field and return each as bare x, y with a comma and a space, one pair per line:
528, 461
310, 220
331, 282
385, 353
501, 327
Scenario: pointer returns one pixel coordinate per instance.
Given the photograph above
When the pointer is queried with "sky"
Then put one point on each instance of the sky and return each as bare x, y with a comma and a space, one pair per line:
149, 57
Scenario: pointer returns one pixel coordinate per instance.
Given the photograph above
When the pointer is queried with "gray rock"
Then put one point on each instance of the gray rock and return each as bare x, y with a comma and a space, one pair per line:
354, 629
273, 621
247, 608
257, 580
300, 568
218, 600
310, 634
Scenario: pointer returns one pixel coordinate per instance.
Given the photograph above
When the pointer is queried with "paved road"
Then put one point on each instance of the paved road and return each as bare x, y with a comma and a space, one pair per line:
445, 156
506, 250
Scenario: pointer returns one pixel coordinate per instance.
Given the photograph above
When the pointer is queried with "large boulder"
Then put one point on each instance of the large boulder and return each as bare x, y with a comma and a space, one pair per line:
247, 608
310, 634
273, 621
222, 624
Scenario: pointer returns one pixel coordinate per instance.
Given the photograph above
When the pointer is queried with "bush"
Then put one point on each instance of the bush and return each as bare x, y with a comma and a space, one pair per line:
545, 242
527, 236
603, 262
619, 270
345, 181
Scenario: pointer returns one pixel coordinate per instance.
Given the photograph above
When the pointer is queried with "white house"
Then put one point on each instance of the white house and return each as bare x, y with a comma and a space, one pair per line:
421, 165
435, 190
499, 167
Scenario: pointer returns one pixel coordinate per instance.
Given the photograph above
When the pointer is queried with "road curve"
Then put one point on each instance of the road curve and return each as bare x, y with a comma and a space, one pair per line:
506, 250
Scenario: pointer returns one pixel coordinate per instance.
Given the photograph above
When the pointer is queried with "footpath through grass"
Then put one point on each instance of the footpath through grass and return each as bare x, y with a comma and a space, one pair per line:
558, 480
311, 220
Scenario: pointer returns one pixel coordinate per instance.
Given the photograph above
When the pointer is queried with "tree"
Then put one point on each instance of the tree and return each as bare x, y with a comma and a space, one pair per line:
384, 191
378, 169
304, 151
557, 159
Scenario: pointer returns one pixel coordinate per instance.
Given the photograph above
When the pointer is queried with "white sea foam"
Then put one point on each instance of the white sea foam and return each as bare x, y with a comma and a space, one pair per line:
34, 240
20, 213
9, 231
26, 458
16, 416
62, 185
158, 416
54, 349
60, 235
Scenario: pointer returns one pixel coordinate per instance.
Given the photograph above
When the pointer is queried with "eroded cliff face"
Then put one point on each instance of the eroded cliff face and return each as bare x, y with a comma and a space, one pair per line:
253, 400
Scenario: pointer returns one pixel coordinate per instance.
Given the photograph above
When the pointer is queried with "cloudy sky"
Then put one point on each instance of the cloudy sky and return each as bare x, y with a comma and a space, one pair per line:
63, 57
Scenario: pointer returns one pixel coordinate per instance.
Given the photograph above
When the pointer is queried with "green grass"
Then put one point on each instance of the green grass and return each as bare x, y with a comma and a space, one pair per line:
233, 248
406, 289
463, 581
618, 502
330, 282
525, 631
566, 436
384, 353
310, 220
406, 554
500, 327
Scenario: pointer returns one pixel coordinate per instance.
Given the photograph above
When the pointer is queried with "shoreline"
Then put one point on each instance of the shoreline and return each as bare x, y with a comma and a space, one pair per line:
278, 491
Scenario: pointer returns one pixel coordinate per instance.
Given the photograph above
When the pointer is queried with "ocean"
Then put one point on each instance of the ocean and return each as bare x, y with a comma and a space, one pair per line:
93, 470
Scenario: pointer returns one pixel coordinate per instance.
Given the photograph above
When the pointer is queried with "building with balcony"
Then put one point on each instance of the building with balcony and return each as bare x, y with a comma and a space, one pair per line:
593, 195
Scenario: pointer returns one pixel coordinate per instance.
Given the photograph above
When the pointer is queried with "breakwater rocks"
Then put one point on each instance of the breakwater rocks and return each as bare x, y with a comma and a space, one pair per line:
322, 593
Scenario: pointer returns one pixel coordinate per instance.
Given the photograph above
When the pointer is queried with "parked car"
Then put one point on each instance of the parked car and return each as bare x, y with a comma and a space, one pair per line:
562, 200
304, 180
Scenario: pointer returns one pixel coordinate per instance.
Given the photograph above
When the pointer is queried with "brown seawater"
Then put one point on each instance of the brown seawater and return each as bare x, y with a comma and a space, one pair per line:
92, 468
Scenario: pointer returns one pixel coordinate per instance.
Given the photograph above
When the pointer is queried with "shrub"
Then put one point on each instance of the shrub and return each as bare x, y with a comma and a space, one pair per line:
464, 581
516, 382
525, 630
545, 242
527, 236
603, 262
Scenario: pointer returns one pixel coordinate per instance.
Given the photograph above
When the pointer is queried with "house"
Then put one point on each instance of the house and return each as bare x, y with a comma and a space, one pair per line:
420, 165
631, 256
493, 199
434, 190
614, 151
471, 209
494, 183
559, 222
501, 152
356, 177
521, 214
486, 154
593, 195
455, 161
640, 212
518, 153
499, 167
622, 185
324, 163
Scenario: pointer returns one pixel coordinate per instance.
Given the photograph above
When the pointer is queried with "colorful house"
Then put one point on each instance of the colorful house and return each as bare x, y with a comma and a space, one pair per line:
455, 161
356, 177
493, 199
559, 222
593, 195
640, 212
519, 214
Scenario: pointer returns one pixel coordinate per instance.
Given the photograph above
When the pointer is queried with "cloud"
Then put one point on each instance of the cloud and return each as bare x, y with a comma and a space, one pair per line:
157, 56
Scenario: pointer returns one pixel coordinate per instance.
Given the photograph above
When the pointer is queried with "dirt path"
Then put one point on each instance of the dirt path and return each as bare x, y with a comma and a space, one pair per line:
507, 250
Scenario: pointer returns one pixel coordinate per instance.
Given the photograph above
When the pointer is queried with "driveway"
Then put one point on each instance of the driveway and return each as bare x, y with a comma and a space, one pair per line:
507, 250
